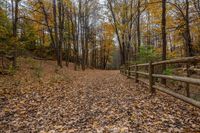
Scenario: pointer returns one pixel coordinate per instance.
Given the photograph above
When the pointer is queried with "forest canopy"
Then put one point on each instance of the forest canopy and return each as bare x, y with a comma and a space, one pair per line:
99, 34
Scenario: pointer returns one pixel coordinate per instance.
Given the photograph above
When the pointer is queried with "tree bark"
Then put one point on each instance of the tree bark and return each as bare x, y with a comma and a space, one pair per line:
164, 38
61, 30
138, 26
56, 32
15, 21
189, 51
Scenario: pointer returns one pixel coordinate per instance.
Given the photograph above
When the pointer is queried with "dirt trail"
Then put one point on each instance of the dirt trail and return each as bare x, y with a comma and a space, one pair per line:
93, 101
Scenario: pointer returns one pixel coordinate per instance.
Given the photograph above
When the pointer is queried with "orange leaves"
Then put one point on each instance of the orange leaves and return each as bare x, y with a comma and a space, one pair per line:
108, 30
108, 35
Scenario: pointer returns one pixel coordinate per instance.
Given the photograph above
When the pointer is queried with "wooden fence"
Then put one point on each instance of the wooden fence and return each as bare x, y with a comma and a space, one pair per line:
133, 71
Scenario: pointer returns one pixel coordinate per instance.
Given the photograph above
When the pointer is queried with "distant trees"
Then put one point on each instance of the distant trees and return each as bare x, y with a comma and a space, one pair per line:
123, 19
111, 5
60, 29
106, 44
76, 31
5, 31
168, 26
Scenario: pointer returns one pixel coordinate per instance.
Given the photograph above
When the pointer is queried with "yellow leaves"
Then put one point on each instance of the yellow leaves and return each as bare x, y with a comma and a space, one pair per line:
108, 34
154, 9
108, 29
68, 3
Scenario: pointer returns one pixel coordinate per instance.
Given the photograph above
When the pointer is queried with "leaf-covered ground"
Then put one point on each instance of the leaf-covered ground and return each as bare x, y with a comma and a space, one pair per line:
45, 99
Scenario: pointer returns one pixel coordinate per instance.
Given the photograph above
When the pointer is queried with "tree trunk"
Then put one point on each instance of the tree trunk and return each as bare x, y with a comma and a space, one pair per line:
61, 30
56, 31
138, 27
189, 51
164, 38
15, 21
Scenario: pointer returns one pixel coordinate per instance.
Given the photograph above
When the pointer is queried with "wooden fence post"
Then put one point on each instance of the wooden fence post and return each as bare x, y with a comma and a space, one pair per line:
136, 74
129, 71
187, 84
151, 79
123, 69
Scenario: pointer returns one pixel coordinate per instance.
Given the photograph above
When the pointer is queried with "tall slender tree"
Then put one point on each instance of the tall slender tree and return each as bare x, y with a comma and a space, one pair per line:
164, 37
187, 36
15, 11
138, 26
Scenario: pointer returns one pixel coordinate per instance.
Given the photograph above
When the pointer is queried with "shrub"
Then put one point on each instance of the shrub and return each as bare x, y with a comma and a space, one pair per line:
147, 54
168, 71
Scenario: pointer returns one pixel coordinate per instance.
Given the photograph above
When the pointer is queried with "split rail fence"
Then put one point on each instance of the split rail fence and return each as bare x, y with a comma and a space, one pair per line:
134, 72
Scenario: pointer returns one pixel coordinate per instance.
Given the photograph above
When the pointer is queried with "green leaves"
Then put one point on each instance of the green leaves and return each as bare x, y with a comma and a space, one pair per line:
147, 54
168, 71
5, 26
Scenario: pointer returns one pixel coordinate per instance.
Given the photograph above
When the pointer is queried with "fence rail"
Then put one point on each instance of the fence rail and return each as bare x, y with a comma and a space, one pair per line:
132, 71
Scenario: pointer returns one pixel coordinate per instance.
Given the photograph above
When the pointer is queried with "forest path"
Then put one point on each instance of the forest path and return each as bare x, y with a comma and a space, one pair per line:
94, 101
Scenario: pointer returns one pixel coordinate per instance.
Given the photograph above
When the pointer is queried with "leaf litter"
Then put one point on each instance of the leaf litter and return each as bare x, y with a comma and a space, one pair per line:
94, 101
